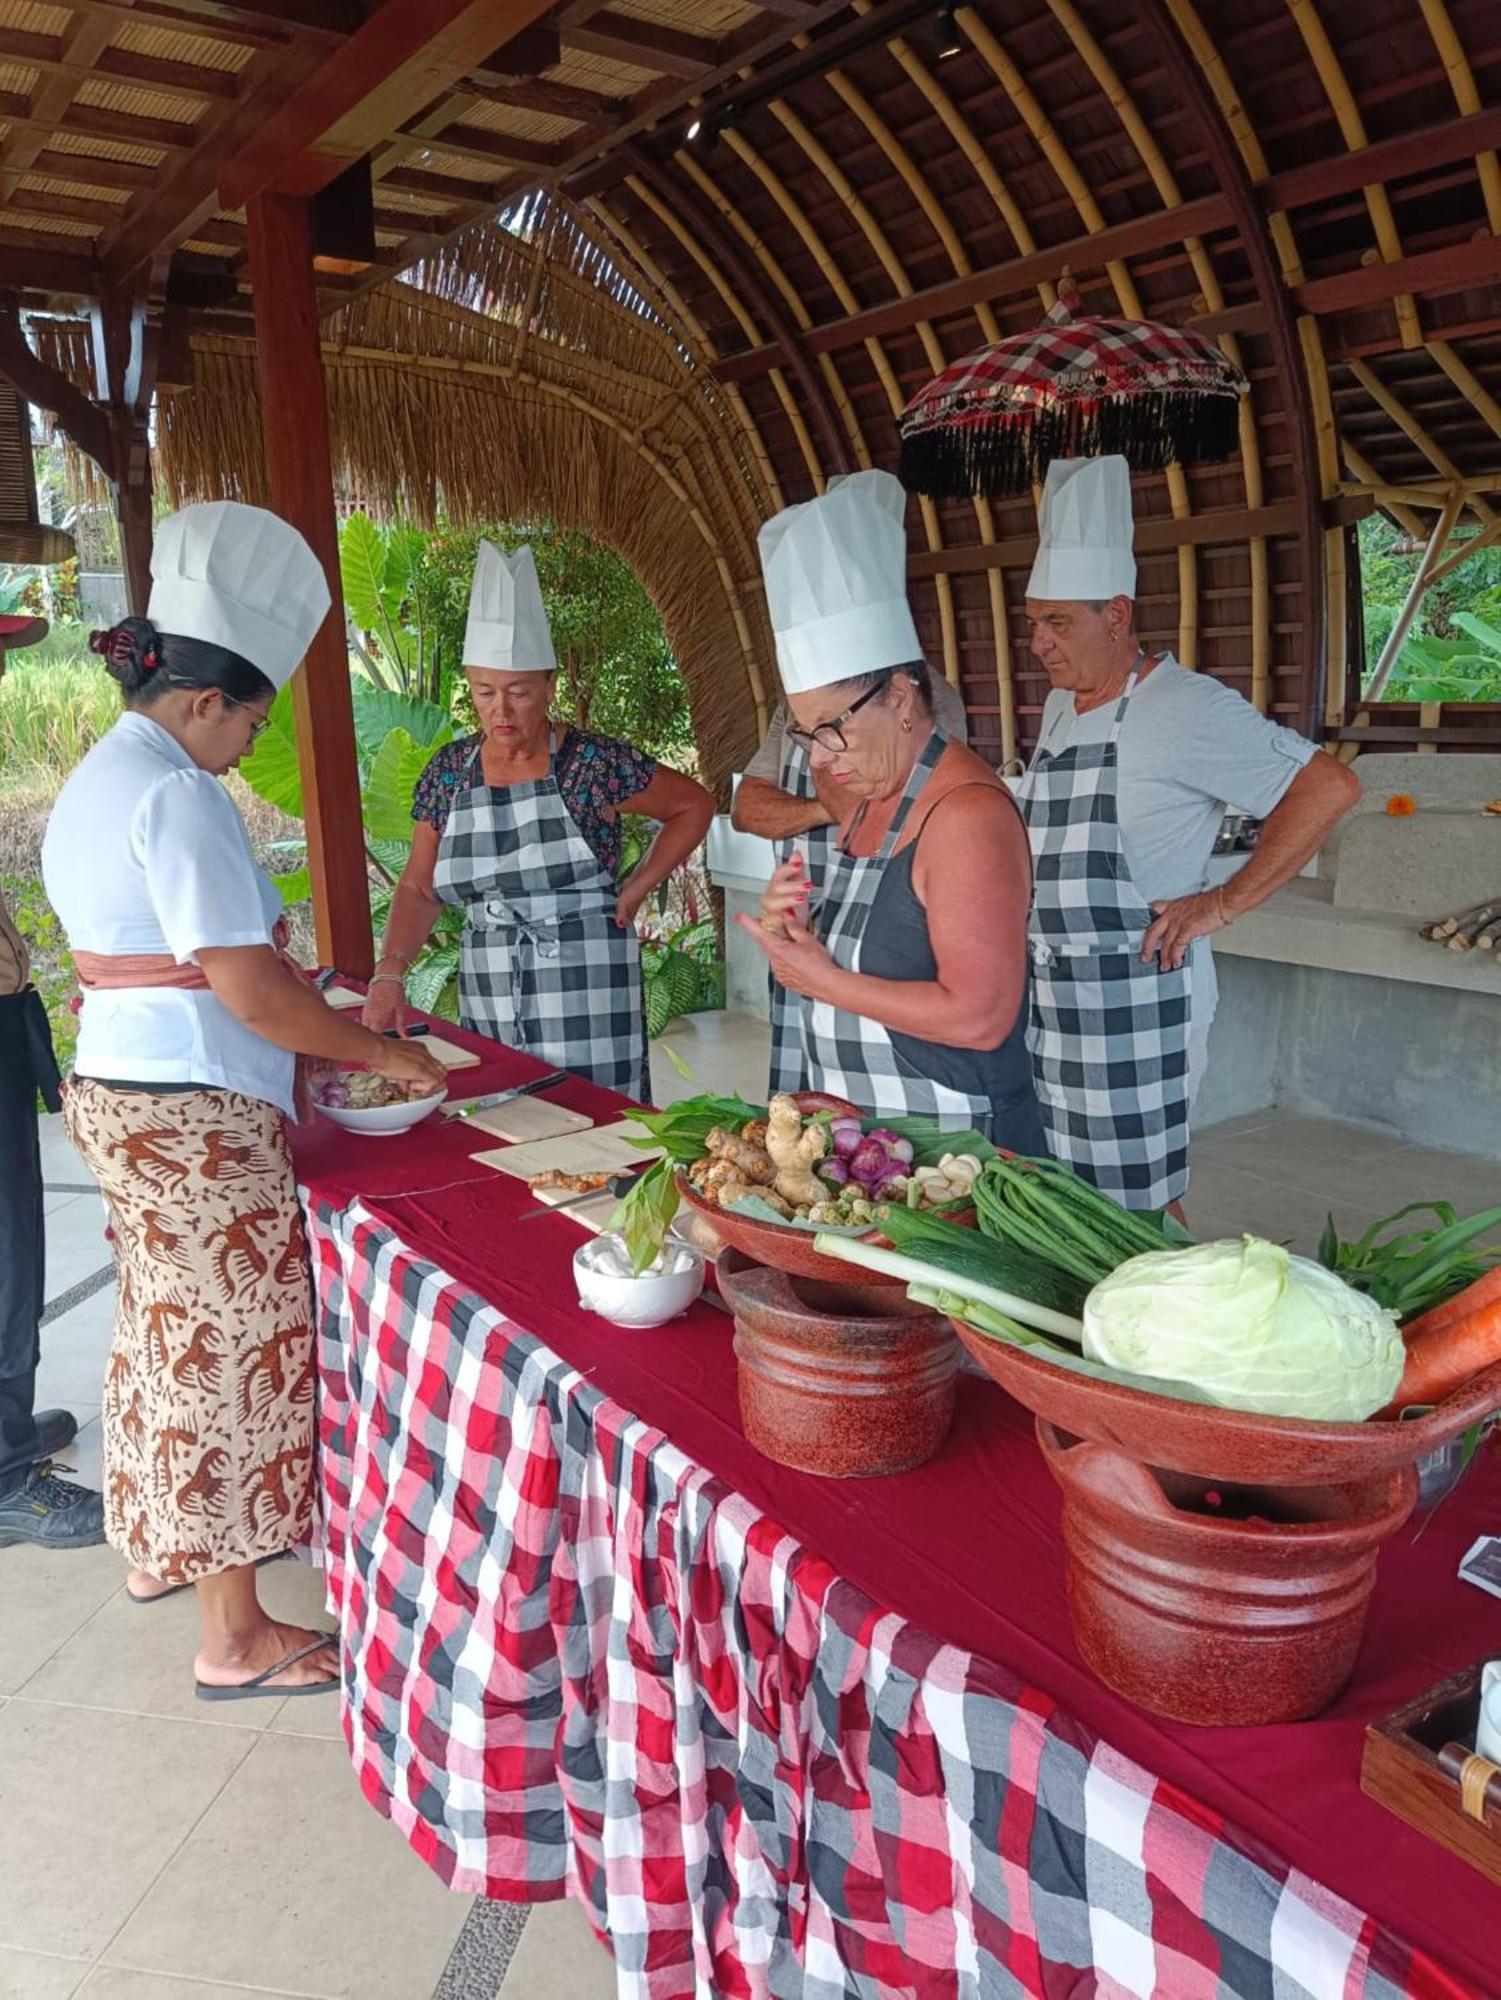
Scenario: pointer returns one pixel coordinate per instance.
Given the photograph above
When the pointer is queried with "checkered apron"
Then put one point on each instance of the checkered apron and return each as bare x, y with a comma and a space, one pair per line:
850, 1055
544, 967
789, 1068
1109, 1035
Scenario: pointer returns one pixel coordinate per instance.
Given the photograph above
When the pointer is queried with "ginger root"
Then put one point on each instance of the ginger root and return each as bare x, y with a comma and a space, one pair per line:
752, 1162
795, 1150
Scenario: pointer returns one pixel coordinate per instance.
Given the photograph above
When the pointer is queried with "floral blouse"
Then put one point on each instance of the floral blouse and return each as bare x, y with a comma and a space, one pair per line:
596, 775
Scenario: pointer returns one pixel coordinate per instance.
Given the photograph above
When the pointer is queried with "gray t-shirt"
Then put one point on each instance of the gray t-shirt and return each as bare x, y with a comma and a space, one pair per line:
948, 713
1189, 747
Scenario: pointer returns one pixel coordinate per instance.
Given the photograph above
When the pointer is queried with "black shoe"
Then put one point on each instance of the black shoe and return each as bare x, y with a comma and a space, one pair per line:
54, 1431
38, 1507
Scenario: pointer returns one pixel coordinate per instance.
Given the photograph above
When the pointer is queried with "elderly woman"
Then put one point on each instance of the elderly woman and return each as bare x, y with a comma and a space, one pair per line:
519, 826
912, 967
188, 1039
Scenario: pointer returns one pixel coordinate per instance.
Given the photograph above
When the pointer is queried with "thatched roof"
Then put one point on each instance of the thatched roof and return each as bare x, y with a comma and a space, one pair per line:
1315, 182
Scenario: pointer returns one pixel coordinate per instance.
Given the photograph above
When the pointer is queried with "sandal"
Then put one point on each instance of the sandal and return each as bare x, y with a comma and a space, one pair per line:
251, 1689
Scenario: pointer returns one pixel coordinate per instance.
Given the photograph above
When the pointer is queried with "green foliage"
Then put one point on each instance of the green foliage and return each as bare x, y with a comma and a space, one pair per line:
400, 609
56, 701
51, 962
1453, 651
681, 974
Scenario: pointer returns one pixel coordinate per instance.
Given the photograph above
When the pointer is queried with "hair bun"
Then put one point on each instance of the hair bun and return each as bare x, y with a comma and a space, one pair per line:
131, 652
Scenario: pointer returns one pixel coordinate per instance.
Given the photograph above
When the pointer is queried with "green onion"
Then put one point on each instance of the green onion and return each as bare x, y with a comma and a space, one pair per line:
914, 1271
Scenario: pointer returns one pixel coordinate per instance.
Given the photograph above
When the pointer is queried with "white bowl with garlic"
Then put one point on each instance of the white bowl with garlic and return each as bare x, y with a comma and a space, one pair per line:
608, 1286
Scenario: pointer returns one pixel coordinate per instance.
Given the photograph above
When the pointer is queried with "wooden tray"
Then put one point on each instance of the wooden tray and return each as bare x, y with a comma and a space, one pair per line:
1408, 1768
450, 1054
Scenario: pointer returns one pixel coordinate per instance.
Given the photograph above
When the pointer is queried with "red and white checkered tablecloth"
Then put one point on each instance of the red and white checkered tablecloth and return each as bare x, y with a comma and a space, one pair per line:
576, 1662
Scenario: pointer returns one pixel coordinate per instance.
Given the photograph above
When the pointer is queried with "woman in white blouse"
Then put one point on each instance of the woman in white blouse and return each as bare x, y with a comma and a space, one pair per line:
190, 1029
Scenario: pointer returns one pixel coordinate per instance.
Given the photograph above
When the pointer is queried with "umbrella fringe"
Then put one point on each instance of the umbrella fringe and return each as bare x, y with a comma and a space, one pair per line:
1009, 456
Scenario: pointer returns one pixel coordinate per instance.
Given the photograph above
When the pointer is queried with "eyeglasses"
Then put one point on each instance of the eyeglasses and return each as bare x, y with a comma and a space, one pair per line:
260, 724
830, 735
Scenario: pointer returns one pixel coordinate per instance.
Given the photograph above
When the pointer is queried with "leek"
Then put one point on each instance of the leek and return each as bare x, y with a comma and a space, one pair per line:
912, 1271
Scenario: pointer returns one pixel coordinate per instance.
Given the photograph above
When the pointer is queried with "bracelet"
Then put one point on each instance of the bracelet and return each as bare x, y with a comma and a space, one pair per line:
390, 978
1219, 902
402, 959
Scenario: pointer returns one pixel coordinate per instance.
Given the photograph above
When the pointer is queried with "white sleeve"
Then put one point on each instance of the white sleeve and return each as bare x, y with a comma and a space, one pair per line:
767, 762
200, 873
1228, 751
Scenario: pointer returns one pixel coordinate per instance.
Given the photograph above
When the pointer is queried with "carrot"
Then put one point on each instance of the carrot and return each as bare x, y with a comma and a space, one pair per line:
1440, 1361
1484, 1292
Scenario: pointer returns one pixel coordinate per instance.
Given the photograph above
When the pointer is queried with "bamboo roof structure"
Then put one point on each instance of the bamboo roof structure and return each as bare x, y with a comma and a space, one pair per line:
738, 237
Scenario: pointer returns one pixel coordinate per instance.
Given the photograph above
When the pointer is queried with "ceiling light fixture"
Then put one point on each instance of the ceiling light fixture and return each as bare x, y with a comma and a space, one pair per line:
695, 126
950, 42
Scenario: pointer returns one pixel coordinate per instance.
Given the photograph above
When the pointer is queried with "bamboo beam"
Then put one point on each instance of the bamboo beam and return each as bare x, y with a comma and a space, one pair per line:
1486, 539
1436, 456
1430, 274
725, 253
1443, 527
1220, 528
1467, 382
294, 419
1461, 77
1370, 479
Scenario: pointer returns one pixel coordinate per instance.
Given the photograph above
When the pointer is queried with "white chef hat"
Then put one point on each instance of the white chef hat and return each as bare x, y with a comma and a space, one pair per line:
1085, 529
241, 578
507, 628
835, 571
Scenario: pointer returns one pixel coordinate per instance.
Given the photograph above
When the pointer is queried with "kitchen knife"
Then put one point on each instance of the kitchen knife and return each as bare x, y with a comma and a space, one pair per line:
533, 1089
618, 1185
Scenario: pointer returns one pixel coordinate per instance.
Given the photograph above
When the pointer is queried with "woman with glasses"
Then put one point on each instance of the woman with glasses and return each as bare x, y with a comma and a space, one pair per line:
188, 1038
911, 964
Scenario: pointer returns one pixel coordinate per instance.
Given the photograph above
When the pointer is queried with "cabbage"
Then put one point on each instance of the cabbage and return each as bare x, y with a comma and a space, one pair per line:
1250, 1325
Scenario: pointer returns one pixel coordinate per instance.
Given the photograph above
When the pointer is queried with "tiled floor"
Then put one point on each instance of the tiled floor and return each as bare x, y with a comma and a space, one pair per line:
156, 1848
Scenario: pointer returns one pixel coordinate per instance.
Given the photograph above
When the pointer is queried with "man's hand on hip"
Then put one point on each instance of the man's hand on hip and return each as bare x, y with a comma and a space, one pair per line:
1177, 923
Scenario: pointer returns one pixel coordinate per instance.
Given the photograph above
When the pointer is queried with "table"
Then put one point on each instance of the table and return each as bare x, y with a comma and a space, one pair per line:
794, 1737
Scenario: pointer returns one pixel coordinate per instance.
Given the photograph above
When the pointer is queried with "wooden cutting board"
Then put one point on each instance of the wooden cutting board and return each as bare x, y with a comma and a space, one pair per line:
449, 1053
528, 1118
603, 1149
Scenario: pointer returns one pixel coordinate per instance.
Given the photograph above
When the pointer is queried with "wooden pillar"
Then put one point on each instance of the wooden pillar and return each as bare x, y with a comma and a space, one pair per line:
299, 468
125, 351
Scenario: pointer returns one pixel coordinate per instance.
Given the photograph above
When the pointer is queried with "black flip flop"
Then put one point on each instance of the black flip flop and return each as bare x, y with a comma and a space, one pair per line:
161, 1596
249, 1690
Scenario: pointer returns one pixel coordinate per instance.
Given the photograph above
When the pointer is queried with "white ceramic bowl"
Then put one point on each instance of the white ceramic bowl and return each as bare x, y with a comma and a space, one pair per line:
650, 1300
382, 1120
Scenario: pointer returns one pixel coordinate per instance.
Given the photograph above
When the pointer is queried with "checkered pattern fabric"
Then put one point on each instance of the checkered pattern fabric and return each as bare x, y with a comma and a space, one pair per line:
850, 1055
789, 1067
1074, 388
1109, 1036
544, 966
574, 1660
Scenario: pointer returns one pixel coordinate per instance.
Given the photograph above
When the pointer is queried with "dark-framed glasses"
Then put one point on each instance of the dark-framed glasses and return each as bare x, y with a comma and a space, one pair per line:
830, 735
259, 723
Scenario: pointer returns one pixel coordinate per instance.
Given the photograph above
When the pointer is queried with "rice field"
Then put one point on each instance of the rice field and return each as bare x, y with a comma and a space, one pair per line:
56, 701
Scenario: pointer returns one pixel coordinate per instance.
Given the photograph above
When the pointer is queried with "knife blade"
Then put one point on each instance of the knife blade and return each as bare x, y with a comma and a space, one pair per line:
469, 1104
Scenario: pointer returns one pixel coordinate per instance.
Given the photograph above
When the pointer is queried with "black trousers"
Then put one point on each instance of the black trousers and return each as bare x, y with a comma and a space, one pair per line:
26, 1067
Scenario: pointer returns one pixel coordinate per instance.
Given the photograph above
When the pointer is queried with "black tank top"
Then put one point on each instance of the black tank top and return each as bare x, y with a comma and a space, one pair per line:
897, 945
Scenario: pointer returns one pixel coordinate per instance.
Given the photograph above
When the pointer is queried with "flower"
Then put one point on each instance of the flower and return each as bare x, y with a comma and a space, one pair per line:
1401, 805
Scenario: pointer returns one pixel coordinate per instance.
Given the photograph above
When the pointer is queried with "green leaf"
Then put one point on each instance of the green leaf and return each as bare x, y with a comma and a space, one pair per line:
394, 772
271, 770
645, 1215
430, 978
673, 987
377, 711
362, 571
296, 887
1488, 635
677, 1062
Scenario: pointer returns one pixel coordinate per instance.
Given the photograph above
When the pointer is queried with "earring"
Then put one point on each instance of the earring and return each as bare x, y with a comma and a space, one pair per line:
907, 724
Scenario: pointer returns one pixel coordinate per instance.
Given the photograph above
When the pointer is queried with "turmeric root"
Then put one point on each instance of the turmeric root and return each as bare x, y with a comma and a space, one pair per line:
795, 1150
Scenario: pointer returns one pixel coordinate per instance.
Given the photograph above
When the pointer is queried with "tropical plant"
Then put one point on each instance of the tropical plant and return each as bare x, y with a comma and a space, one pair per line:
1453, 652
1465, 669
405, 623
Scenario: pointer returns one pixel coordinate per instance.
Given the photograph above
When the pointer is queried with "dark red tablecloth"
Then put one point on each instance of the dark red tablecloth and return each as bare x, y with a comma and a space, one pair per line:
968, 1546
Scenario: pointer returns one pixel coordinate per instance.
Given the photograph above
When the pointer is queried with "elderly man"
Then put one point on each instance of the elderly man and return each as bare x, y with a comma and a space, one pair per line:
1135, 764
781, 798
35, 1504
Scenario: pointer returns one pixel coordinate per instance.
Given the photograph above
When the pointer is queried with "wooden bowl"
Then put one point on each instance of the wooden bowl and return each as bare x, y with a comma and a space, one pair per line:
1226, 1444
775, 1244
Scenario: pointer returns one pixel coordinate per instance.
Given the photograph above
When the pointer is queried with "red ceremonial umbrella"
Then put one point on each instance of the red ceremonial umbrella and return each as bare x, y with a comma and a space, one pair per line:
1078, 387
